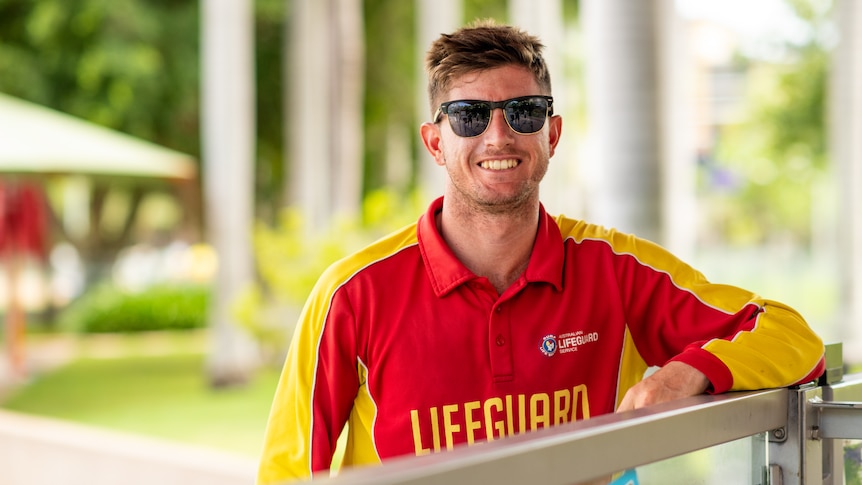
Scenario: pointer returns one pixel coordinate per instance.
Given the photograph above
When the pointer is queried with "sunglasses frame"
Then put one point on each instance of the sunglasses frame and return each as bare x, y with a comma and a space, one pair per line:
444, 109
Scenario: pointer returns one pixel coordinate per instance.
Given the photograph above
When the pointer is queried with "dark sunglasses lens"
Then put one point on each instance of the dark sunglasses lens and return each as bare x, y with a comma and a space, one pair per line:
527, 115
468, 118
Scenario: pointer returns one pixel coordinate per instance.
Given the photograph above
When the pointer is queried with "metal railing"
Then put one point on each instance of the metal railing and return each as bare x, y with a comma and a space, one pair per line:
800, 430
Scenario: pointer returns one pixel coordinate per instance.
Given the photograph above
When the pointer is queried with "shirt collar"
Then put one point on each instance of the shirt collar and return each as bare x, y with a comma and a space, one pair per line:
446, 272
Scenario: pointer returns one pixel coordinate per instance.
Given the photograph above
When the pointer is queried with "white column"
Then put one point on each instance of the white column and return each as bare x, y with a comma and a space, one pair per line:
324, 71
845, 130
348, 78
228, 129
622, 164
434, 17
676, 133
561, 193
307, 110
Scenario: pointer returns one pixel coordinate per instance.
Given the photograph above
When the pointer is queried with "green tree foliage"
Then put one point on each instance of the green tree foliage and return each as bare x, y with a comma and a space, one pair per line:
134, 66
779, 153
130, 65
270, 20
480, 9
390, 83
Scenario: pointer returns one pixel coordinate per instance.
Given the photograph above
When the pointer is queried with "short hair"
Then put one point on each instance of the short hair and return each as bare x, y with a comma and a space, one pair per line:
479, 46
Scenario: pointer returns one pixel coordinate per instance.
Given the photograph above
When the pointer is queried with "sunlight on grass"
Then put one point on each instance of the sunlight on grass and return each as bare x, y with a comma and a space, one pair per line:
163, 396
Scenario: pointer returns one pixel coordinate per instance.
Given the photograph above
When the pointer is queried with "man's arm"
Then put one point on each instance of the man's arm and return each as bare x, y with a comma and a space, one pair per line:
675, 380
737, 339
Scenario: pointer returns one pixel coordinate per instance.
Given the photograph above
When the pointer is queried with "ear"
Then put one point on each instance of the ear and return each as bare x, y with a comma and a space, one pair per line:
555, 129
430, 133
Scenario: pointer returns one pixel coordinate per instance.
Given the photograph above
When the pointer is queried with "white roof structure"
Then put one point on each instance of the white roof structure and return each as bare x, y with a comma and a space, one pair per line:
35, 139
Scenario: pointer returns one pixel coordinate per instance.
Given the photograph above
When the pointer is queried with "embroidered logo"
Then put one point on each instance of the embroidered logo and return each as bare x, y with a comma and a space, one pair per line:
567, 342
549, 345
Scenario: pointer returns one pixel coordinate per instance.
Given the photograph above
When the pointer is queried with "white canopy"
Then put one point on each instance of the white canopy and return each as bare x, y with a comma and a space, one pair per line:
36, 139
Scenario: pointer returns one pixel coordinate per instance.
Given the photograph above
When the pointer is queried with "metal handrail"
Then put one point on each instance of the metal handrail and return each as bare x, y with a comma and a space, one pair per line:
590, 449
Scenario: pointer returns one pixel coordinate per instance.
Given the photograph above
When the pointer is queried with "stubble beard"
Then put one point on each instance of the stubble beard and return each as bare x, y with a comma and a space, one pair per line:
497, 204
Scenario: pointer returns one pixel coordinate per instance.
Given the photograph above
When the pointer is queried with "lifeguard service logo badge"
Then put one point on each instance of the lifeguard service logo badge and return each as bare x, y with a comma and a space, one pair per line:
567, 342
549, 345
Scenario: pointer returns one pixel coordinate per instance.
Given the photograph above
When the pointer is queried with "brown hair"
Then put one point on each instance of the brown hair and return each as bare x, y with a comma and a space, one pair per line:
479, 46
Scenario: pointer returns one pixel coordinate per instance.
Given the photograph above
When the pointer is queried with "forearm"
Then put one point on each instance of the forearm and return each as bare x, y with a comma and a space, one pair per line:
675, 380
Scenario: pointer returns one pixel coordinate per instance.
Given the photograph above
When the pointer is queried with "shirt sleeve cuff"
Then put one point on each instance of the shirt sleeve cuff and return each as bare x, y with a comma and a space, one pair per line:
713, 368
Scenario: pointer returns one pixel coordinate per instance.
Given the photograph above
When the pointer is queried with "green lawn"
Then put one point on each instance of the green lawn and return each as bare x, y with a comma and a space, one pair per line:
166, 396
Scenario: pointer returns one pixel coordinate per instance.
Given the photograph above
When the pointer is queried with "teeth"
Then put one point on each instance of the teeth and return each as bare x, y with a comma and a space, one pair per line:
499, 164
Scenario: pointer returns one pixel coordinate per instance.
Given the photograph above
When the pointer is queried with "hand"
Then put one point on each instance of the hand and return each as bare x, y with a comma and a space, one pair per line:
673, 381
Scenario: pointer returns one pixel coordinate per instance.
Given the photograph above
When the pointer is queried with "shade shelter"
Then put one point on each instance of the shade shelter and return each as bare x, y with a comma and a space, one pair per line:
38, 140
38, 144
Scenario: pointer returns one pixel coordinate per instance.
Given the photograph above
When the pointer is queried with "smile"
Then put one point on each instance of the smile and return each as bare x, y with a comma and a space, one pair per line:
499, 164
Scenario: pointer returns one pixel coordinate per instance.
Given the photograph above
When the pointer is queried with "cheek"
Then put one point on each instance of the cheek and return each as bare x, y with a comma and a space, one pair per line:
452, 151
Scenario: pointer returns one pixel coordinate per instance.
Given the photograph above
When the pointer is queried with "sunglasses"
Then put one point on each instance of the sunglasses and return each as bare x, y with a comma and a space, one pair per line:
469, 118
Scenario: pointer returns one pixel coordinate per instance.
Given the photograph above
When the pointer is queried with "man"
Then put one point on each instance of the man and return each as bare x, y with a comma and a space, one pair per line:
489, 317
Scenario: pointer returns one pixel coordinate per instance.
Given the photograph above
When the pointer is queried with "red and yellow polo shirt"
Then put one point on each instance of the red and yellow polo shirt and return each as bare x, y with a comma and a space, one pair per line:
416, 354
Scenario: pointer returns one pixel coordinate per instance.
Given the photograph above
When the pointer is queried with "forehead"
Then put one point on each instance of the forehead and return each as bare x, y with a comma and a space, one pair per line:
494, 84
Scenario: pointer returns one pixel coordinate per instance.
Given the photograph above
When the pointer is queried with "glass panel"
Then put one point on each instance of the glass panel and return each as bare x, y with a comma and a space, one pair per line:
739, 462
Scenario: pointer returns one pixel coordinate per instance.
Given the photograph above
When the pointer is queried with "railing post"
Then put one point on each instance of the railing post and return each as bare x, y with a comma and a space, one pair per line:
839, 417
795, 451
833, 451
804, 453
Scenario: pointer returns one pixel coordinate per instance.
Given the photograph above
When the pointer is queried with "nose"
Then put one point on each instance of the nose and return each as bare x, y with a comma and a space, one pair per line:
498, 132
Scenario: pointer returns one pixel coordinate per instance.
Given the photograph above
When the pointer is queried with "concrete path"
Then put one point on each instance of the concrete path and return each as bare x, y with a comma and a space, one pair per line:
41, 451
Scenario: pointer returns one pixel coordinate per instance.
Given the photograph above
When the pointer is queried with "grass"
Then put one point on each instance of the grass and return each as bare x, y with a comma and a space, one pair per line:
165, 396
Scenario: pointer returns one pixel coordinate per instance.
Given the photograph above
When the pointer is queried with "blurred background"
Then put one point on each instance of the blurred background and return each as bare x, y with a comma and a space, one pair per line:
175, 174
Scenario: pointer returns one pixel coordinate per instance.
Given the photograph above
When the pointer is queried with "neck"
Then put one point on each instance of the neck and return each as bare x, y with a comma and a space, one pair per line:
494, 245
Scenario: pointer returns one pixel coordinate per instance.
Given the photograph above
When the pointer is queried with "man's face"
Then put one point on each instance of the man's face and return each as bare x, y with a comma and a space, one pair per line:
500, 169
